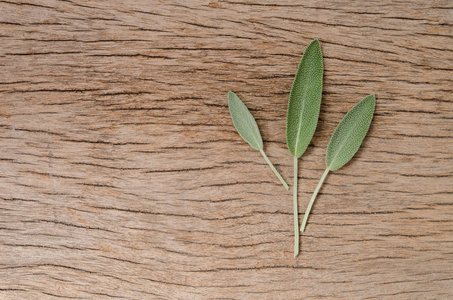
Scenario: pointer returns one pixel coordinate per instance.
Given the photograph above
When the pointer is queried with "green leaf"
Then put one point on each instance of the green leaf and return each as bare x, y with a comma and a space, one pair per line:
303, 112
349, 134
305, 100
244, 122
345, 141
248, 129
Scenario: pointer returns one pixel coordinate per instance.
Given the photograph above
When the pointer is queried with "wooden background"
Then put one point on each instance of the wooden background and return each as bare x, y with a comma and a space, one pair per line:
122, 176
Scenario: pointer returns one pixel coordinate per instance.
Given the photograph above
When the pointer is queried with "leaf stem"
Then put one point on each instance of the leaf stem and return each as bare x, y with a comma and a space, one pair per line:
312, 200
275, 170
296, 214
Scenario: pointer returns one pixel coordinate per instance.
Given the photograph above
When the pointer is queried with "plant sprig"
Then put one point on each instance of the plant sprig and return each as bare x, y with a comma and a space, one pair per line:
247, 128
345, 141
303, 112
301, 122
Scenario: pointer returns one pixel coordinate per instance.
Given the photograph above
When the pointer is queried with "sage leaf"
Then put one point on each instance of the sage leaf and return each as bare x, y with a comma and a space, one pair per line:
305, 100
345, 141
349, 134
303, 112
244, 122
247, 128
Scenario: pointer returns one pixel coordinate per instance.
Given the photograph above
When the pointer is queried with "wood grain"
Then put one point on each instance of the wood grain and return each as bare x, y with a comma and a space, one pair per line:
121, 174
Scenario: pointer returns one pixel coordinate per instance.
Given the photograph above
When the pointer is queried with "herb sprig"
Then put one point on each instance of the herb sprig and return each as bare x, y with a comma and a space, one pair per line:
303, 111
302, 119
248, 129
345, 141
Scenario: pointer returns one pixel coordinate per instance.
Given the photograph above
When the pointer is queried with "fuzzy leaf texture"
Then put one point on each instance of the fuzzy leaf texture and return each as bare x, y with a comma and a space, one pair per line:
349, 134
305, 100
244, 122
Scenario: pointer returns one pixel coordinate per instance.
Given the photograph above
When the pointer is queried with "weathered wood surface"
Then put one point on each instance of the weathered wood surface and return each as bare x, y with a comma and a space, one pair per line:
121, 175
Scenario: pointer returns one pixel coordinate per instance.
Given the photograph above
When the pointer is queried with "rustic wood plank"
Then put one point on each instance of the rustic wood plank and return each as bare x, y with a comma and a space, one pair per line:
122, 175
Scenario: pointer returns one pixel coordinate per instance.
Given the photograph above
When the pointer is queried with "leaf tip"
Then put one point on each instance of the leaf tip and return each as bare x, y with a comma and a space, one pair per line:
372, 98
231, 97
316, 43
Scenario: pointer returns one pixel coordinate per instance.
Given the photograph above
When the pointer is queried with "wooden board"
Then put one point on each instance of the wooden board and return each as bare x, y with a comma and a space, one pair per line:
122, 176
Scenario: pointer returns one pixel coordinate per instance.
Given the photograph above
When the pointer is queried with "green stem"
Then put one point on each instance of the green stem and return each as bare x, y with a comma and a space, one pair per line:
296, 214
275, 170
312, 200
